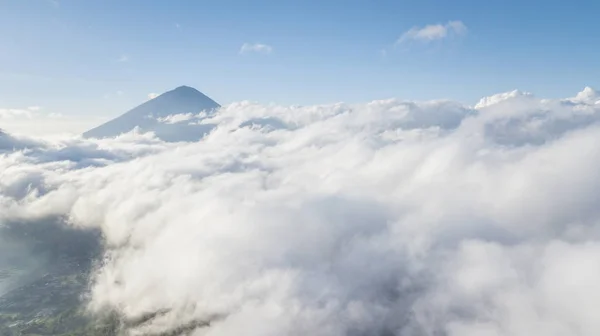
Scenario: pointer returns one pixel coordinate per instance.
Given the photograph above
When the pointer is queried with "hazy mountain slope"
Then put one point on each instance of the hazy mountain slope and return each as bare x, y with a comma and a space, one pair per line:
147, 116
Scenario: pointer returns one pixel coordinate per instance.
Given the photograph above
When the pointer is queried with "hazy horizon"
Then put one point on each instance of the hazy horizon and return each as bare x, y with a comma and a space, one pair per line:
34, 121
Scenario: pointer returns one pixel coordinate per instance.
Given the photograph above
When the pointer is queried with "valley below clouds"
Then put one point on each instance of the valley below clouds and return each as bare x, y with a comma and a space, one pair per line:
384, 218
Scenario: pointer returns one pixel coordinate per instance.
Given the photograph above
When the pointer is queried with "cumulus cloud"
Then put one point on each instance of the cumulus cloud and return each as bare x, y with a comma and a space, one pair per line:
434, 32
384, 218
587, 96
256, 48
505, 96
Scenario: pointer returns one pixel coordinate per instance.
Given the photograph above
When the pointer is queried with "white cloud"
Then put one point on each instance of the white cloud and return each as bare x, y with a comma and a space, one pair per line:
176, 118
500, 97
434, 32
31, 121
123, 58
152, 95
389, 217
587, 95
256, 47
11, 114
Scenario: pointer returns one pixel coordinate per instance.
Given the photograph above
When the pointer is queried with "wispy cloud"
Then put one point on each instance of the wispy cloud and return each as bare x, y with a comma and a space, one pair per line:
114, 94
177, 25
256, 48
434, 32
6, 114
123, 58
36, 122
176, 118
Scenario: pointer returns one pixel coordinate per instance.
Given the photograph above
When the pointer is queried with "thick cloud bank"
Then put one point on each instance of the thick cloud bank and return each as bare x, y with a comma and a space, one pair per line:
387, 218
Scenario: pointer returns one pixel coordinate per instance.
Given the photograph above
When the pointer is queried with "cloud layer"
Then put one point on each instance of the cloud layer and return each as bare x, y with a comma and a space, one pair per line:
384, 218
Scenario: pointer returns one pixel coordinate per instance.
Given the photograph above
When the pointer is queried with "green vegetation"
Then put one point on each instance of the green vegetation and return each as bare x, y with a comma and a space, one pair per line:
69, 323
48, 301
52, 306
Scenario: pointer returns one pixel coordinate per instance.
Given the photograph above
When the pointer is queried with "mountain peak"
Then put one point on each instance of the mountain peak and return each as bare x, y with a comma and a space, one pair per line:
147, 116
184, 87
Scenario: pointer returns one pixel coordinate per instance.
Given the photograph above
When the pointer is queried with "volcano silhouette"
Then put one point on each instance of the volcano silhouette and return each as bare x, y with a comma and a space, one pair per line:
150, 116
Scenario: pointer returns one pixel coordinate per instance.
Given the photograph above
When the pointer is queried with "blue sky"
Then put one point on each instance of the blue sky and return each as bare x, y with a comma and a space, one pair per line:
104, 57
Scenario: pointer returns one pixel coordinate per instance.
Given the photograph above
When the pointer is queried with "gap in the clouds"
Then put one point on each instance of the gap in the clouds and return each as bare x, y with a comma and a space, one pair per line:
46, 269
52, 263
